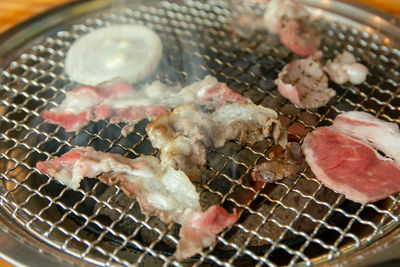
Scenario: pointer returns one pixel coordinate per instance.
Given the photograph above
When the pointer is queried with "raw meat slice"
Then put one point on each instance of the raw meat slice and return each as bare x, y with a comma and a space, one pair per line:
344, 68
304, 83
381, 135
160, 191
290, 20
349, 166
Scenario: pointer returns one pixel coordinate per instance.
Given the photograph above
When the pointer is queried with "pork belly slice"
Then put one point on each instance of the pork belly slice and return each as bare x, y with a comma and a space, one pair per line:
76, 110
349, 166
201, 230
183, 135
207, 92
81, 105
160, 191
280, 166
278, 13
344, 68
381, 135
304, 83
118, 101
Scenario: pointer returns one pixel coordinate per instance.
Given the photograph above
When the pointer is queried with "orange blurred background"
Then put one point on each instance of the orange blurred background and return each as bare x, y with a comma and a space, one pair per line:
15, 11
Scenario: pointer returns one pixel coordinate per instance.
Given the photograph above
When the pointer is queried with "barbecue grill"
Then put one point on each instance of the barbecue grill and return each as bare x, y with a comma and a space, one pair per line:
296, 221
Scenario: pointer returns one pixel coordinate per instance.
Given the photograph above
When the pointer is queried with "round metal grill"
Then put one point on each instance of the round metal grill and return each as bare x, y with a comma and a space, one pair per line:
293, 221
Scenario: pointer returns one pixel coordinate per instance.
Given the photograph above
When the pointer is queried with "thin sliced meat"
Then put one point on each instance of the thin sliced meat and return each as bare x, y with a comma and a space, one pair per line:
246, 123
344, 68
278, 13
159, 190
304, 83
81, 105
381, 135
349, 166
300, 38
291, 21
118, 101
201, 230
76, 109
281, 166
183, 135
207, 92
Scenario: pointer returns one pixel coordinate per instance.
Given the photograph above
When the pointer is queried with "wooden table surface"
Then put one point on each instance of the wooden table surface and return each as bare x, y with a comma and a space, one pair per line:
13, 12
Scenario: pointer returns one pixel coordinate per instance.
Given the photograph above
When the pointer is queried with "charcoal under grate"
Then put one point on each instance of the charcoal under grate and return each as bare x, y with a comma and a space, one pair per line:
293, 221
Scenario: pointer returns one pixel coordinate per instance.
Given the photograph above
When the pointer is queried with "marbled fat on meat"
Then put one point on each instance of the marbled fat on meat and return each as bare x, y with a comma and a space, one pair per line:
349, 166
118, 101
381, 135
160, 191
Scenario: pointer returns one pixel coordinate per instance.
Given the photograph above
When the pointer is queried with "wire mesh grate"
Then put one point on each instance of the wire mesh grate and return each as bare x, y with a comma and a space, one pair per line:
295, 220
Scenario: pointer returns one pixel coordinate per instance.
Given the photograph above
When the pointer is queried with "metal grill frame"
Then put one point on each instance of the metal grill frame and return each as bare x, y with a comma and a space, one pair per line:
32, 75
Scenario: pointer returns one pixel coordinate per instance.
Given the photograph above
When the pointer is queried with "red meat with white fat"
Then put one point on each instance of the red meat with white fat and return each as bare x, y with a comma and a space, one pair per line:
304, 83
346, 157
160, 191
118, 101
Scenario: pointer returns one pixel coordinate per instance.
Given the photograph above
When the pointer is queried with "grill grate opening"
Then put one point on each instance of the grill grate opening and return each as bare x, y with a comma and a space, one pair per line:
295, 220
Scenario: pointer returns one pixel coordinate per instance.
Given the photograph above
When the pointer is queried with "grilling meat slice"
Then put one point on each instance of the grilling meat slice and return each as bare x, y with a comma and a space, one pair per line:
349, 166
159, 190
284, 17
381, 135
301, 38
279, 13
120, 102
304, 83
183, 135
290, 20
79, 105
201, 229
246, 123
281, 166
344, 68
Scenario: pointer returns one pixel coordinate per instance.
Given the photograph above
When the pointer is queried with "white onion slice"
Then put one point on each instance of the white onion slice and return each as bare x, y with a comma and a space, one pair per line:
132, 52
